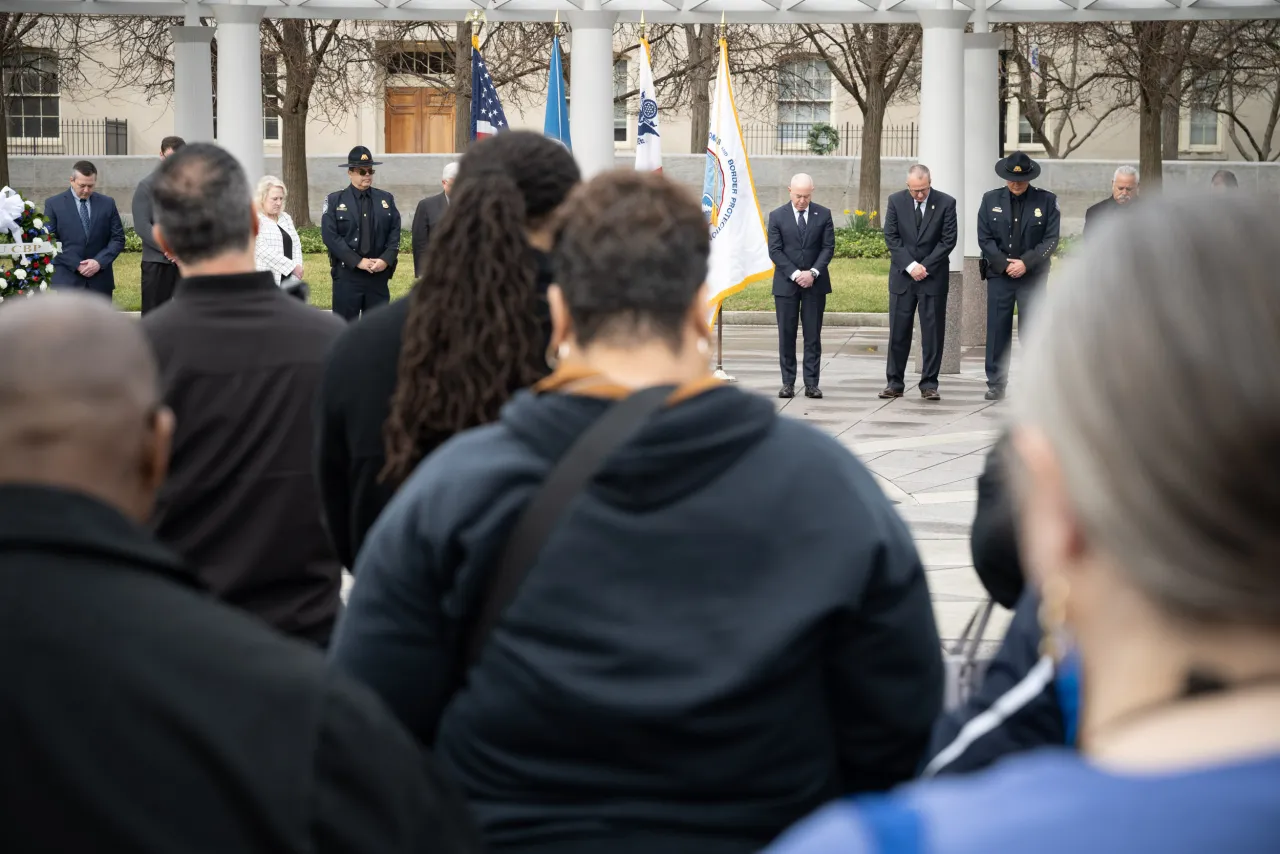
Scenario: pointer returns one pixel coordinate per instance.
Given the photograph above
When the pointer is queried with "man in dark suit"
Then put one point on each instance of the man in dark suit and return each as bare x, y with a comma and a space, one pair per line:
91, 232
361, 229
920, 231
428, 213
1017, 231
1124, 192
802, 242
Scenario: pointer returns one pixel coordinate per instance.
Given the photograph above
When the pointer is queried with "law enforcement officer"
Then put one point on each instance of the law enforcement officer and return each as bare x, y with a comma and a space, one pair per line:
361, 229
1017, 231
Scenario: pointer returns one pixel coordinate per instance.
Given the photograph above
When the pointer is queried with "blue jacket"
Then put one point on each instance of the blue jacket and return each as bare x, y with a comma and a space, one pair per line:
103, 242
728, 628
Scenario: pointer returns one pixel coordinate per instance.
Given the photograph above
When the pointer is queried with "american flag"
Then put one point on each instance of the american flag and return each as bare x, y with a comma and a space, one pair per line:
487, 117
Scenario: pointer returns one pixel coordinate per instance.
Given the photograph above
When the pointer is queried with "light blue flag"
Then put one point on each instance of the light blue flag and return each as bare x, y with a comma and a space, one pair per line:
556, 124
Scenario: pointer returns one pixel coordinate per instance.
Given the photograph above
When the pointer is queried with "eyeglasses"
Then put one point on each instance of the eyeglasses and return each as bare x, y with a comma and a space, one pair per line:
363, 172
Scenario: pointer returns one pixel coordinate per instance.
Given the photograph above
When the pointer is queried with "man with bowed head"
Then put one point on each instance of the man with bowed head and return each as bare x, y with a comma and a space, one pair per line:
361, 229
88, 225
141, 715
802, 242
1124, 192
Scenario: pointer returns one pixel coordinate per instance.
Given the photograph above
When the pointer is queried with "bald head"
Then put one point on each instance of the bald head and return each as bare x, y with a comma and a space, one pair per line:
79, 401
801, 190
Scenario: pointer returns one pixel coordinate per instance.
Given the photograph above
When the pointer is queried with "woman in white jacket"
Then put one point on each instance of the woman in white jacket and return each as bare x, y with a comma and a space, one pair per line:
279, 249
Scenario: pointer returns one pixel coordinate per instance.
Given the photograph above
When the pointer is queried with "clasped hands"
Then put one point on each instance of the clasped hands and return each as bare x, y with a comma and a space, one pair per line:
372, 265
919, 273
1016, 269
89, 267
805, 279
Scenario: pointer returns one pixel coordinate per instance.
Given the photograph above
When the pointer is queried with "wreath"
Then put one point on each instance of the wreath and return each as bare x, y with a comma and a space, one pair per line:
823, 138
27, 242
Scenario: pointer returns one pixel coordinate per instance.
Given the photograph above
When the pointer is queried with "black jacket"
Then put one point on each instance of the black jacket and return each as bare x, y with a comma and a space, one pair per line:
1103, 211
789, 253
340, 229
428, 213
240, 362
994, 539
673, 675
353, 405
1040, 224
931, 246
140, 715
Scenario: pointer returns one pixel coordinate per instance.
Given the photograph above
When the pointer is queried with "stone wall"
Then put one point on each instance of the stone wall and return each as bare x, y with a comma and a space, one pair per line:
1078, 183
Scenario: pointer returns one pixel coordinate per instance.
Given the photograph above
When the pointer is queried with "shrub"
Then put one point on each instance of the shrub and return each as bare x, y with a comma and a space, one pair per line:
855, 243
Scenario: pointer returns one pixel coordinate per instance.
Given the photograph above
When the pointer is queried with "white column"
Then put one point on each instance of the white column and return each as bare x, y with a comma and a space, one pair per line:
942, 142
240, 85
982, 149
591, 88
192, 83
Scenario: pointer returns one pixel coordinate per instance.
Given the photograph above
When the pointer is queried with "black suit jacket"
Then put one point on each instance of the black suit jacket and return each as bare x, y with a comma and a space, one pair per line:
788, 253
340, 228
1039, 231
103, 242
931, 245
429, 212
1102, 211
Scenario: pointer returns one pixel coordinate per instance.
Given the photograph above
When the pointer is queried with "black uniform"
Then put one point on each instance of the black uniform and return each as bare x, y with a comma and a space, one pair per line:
1024, 227
357, 225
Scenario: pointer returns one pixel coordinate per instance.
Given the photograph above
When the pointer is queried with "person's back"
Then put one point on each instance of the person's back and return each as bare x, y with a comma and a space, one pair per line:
138, 714
240, 363
728, 627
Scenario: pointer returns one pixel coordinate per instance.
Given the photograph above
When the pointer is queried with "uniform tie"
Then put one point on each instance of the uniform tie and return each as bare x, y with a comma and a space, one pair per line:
84, 214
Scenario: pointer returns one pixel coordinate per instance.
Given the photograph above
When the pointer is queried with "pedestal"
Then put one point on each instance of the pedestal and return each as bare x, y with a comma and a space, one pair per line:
952, 344
982, 149
591, 89
973, 323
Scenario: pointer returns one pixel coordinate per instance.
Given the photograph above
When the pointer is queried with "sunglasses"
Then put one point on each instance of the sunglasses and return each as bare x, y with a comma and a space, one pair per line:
363, 172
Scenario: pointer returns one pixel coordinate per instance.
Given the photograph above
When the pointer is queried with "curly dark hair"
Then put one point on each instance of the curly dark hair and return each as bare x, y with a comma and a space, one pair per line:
473, 336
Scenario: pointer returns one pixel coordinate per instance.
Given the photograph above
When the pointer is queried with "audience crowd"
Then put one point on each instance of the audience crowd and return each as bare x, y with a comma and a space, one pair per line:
601, 601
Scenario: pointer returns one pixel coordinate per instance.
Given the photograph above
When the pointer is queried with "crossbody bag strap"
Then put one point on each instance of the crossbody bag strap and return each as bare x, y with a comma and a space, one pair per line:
540, 516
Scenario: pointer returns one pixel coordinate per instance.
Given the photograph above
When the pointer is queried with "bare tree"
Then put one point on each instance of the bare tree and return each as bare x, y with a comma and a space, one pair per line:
1069, 96
877, 64
1252, 78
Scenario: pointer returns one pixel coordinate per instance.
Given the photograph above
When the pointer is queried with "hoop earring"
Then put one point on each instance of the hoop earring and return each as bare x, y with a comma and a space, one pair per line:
1053, 617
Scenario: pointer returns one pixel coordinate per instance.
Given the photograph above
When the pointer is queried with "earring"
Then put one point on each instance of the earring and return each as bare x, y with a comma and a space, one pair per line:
1053, 617
704, 347
553, 360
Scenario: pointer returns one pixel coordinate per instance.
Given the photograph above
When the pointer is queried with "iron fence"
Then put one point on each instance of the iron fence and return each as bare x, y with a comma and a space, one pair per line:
793, 138
77, 137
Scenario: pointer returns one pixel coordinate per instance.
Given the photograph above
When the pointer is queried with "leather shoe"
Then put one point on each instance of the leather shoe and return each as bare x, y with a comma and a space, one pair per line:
813, 391
786, 392
994, 394
890, 394
930, 394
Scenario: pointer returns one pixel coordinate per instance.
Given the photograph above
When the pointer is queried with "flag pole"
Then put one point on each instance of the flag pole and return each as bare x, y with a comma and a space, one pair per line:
720, 373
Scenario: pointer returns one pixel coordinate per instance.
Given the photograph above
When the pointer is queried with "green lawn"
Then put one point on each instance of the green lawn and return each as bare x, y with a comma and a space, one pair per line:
859, 285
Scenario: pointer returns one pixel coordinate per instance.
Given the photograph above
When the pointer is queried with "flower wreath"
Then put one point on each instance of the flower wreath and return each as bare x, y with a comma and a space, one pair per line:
22, 223
823, 138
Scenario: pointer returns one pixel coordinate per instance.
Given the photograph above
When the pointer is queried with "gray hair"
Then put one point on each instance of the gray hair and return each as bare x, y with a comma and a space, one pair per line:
1126, 170
1178, 486
919, 170
202, 202
450, 171
801, 178
264, 188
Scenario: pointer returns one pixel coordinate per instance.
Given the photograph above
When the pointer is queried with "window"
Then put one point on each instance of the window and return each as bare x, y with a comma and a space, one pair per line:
420, 63
270, 98
1202, 118
31, 94
1026, 134
804, 98
620, 84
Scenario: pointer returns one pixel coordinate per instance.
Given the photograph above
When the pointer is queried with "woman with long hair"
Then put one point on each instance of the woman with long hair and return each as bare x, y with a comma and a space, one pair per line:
722, 628
473, 330
1144, 453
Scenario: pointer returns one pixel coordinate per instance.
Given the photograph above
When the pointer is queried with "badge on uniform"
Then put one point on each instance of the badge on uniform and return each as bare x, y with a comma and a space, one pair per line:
342, 207
385, 205
1038, 212
997, 210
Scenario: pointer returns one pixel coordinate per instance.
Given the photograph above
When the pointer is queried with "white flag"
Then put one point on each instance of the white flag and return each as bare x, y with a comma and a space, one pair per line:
648, 140
739, 243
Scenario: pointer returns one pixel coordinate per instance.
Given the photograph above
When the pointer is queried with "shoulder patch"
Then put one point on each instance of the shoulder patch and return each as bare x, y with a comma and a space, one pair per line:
324, 209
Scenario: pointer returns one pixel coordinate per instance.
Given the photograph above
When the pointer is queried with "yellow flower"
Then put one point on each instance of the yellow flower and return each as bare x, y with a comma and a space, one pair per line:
860, 213
846, 211
873, 214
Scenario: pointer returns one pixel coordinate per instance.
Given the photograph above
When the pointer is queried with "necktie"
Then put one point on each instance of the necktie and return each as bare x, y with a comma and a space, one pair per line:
84, 214
802, 225
919, 215
366, 225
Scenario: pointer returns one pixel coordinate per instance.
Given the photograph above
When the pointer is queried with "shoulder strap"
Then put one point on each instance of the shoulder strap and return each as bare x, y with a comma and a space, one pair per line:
893, 826
570, 477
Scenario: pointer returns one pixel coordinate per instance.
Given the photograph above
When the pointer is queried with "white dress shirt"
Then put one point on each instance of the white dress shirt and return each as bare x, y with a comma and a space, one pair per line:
795, 211
919, 206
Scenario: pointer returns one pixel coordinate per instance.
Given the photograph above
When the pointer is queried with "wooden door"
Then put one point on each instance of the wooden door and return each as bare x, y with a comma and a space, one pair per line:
419, 120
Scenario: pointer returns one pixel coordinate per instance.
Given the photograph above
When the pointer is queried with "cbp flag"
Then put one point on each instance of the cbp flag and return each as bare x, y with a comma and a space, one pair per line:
556, 124
487, 117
